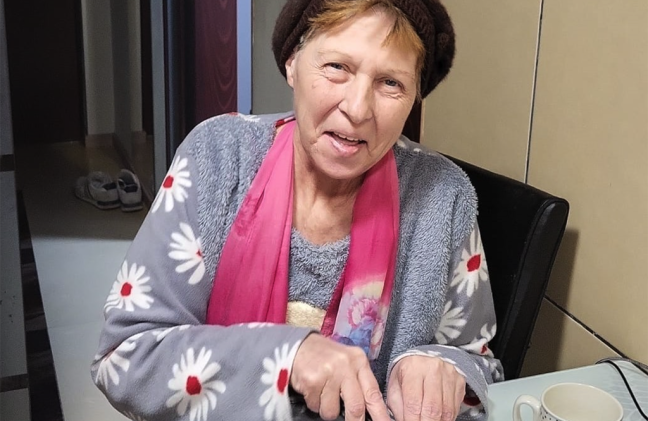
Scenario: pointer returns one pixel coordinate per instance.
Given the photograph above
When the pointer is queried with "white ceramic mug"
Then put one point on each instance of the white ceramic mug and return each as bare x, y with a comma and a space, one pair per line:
571, 402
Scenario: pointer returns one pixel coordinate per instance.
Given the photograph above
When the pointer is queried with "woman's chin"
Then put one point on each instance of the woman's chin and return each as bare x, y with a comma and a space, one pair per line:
341, 173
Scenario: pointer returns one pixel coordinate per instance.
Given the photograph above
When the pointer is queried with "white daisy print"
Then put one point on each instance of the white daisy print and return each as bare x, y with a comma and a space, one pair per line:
162, 333
115, 360
174, 186
472, 268
277, 377
494, 367
193, 385
133, 417
451, 323
130, 289
478, 367
186, 247
470, 411
447, 360
488, 333
257, 325
252, 118
441, 357
479, 345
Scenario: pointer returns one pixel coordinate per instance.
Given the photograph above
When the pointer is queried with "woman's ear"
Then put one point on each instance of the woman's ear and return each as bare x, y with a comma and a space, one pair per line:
290, 70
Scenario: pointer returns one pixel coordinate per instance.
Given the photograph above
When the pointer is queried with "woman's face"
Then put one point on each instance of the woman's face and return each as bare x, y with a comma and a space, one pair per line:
352, 95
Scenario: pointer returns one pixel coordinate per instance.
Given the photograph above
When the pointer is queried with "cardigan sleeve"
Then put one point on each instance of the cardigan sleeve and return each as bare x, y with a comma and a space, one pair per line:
467, 326
157, 360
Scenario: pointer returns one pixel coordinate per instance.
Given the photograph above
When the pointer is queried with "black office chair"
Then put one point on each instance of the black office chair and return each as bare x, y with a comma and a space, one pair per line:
521, 229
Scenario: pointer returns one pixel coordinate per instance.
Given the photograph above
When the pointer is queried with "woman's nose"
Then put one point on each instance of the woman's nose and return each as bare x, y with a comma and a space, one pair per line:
357, 103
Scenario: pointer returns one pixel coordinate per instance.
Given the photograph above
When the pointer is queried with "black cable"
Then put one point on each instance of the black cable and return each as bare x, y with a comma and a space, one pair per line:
637, 364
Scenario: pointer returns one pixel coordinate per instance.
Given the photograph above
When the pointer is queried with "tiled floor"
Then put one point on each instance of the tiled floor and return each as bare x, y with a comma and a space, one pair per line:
44, 398
78, 250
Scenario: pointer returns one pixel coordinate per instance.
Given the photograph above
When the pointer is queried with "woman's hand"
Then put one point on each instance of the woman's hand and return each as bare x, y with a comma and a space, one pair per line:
325, 371
425, 389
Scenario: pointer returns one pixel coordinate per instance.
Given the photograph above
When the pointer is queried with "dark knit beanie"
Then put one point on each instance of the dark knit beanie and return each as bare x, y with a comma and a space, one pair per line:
428, 17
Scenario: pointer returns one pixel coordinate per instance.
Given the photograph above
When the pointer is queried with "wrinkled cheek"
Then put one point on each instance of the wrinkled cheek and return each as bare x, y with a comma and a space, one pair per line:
381, 150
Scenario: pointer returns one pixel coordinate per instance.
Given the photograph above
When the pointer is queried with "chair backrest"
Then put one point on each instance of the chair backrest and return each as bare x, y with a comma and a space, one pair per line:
521, 229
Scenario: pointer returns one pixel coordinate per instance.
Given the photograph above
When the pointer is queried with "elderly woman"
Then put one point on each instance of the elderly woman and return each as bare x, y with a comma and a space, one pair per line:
318, 254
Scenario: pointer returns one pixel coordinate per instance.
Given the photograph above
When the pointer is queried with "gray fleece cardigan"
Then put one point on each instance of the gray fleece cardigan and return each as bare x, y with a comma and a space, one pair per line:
157, 360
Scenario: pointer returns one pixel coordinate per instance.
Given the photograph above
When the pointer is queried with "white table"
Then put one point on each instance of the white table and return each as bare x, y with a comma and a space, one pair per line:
502, 396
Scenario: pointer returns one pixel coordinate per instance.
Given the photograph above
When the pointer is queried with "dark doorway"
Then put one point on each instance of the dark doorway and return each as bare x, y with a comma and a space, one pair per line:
214, 59
44, 47
200, 67
147, 67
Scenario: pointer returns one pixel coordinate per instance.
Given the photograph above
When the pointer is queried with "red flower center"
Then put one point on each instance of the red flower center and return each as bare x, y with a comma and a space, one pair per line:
471, 400
193, 385
168, 182
474, 263
484, 349
199, 254
126, 289
282, 380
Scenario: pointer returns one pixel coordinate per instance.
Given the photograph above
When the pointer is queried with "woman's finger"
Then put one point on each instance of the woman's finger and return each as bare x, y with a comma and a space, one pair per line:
329, 408
449, 406
395, 396
373, 398
312, 399
432, 401
354, 403
411, 383
314, 368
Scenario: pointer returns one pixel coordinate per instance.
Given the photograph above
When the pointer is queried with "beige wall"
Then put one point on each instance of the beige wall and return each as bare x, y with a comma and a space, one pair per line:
586, 140
482, 110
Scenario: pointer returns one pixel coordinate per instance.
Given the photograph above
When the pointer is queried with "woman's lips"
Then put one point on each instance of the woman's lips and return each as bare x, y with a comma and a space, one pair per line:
345, 145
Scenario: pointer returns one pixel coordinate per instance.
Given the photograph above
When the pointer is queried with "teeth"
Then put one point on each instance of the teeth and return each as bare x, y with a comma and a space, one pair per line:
350, 139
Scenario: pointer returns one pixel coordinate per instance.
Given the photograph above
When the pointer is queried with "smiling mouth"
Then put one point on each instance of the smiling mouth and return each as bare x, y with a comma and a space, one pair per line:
346, 139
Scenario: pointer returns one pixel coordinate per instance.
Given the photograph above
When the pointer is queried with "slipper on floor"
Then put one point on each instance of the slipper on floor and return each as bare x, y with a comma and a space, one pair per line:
130, 191
98, 189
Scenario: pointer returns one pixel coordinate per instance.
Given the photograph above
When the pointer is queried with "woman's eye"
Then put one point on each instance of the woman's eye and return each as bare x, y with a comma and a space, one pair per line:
336, 66
392, 83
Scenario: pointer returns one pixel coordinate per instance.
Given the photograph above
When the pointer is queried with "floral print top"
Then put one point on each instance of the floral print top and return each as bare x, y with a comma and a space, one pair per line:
157, 360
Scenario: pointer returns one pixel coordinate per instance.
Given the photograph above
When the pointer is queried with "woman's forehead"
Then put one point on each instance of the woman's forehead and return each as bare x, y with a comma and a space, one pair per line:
372, 19
362, 36
373, 26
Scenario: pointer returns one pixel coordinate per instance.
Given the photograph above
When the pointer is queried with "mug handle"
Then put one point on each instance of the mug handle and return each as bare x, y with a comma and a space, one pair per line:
526, 400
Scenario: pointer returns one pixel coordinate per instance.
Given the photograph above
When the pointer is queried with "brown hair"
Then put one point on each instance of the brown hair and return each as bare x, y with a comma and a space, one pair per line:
428, 18
336, 12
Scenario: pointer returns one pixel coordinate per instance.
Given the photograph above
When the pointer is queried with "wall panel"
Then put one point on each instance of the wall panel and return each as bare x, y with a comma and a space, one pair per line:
481, 112
590, 145
559, 343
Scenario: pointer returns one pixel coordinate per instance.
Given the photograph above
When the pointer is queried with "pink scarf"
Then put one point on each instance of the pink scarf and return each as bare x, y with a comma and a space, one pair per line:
251, 282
